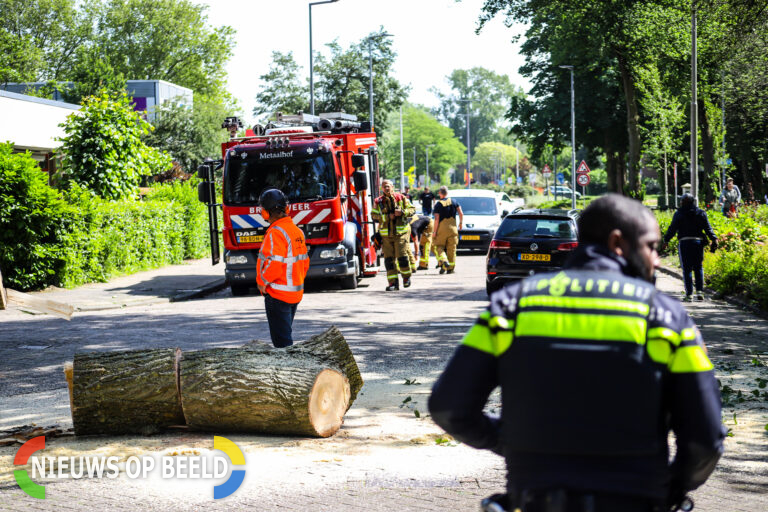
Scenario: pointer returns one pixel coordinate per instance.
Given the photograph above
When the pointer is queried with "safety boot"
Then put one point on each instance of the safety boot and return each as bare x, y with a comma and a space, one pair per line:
393, 287
407, 282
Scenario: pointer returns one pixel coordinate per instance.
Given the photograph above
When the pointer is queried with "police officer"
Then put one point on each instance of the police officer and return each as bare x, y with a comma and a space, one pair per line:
446, 234
392, 211
691, 226
281, 267
422, 227
595, 367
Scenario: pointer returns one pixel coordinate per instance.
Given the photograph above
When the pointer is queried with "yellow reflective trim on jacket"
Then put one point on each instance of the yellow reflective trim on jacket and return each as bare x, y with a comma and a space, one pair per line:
664, 333
659, 351
483, 338
499, 322
585, 303
687, 334
581, 326
691, 359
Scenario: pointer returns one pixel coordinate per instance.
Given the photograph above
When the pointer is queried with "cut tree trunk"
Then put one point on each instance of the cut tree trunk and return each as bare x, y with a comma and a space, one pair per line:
3, 299
131, 392
262, 390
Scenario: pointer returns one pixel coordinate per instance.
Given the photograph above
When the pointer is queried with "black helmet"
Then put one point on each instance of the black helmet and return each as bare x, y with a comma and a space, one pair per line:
686, 200
273, 199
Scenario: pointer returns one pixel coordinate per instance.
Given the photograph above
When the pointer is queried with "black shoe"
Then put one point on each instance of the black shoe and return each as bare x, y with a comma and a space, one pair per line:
414, 270
438, 265
442, 270
406, 282
393, 287
450, 271
699, 297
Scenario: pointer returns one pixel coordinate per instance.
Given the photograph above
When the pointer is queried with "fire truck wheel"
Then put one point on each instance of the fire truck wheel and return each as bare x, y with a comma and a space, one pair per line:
350, 282
238, 290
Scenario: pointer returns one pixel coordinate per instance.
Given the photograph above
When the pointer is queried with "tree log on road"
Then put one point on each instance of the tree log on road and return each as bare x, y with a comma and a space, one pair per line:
265, 390
131, 392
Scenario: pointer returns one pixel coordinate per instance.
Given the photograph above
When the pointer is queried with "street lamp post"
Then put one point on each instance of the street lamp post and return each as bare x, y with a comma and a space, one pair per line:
694, 112
426, 178
370, 75
402, 157
469, 158
573, 140
311, 58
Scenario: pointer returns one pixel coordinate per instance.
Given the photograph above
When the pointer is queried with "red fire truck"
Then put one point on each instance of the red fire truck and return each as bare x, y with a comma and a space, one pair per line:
326, 165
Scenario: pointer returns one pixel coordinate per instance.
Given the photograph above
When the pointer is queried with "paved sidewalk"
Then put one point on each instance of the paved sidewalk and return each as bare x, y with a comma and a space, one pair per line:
192, 279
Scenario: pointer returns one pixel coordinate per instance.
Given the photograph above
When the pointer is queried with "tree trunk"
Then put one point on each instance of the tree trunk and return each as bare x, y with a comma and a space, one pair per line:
131, 392
707, 154
257, 390
633, 121
614, 175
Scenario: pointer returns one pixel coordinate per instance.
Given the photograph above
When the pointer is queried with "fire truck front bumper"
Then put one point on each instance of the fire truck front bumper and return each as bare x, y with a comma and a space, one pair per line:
331, 260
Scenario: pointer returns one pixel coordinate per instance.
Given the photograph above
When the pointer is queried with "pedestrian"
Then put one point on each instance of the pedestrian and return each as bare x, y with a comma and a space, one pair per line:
446, 234
596, 367
281, 267
407, 193
427, 198
692, 227
730, 198
422, 227
392, 211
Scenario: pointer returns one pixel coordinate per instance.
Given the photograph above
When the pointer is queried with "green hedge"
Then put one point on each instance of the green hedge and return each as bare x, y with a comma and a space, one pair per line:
740, 265
66, 239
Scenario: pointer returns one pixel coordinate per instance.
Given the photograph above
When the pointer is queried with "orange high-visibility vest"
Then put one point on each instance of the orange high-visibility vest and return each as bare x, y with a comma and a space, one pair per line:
283, 261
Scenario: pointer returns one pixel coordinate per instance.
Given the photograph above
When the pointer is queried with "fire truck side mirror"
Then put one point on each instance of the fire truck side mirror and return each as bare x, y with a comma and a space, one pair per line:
203, 172
358, 160
203, 193
358, 178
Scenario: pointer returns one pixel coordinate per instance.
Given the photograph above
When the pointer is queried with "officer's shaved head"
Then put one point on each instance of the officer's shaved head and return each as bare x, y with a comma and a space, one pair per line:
613, 211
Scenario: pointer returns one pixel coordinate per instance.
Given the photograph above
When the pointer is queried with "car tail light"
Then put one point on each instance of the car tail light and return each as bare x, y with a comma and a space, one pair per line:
500, 244
567, 246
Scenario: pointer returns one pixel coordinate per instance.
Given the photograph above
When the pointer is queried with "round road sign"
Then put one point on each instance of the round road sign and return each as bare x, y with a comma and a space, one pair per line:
582, 179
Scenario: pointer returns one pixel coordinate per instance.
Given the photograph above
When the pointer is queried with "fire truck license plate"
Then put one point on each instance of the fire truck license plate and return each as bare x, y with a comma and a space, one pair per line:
470, 237
250, 239
533, 257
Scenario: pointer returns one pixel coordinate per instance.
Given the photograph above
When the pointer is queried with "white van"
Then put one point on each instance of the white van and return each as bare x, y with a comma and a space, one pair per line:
482, 216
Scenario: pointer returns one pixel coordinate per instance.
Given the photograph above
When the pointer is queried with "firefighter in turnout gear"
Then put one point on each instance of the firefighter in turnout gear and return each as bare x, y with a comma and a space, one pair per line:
446, 233
422, 227
596, 367
392, 211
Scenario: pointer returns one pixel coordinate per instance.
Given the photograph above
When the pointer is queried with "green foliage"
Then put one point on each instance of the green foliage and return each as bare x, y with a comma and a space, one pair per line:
495, 155
489, 94
189, 134
281, 88
33, 217
91, 74
50, 238
103, 150
419, 130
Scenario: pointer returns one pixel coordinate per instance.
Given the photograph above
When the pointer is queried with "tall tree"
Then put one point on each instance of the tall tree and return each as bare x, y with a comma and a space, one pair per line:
281, 87
420, 129
489, 94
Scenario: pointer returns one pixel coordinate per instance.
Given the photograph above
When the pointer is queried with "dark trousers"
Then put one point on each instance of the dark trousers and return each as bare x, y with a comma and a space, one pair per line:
575, 502
426, 210
691, 259
280, 317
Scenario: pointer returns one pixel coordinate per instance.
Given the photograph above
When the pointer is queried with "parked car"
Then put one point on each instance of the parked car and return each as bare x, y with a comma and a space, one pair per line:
481, 217
562, 191
508, 204
530, 241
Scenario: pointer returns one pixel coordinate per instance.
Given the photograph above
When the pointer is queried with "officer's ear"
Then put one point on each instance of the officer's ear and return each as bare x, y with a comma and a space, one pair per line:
615, 242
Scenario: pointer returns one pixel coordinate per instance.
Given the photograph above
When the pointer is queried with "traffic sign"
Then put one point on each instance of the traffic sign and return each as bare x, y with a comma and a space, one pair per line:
582, 168
560, 177
546, 172
532, 178
582, 179
729, 162
519, 179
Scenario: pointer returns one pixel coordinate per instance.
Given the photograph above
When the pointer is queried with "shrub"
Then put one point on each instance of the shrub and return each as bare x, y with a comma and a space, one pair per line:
103, 150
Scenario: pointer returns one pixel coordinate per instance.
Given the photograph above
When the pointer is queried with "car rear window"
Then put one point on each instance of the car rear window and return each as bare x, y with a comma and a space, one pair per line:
532, 227
477, 205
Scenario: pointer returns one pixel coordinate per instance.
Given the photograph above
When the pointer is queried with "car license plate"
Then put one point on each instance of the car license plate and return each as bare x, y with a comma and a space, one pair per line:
470, 237
533, 257
250, 239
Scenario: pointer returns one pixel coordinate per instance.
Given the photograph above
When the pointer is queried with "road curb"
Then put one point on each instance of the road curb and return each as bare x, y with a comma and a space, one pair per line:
206, 289
734, 301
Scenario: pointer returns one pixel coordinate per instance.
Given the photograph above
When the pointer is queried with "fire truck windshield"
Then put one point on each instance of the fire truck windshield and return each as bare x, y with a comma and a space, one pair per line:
300, 178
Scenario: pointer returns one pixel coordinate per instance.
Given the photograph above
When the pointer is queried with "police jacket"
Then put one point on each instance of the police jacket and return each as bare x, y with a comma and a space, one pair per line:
595, 368
689, 222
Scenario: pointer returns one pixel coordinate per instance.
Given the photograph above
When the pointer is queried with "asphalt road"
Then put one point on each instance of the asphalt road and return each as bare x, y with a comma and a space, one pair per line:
383, 458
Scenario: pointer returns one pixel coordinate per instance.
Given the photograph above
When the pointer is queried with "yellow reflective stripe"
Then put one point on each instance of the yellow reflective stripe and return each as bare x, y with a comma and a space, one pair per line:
503, 341
664, 333
659, 351
585, 303
579, 326
479, 337
687, 334
499, 322
490, 335
690, 359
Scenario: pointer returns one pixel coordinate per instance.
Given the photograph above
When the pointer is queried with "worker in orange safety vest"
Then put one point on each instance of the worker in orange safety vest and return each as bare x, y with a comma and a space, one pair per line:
281, 267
